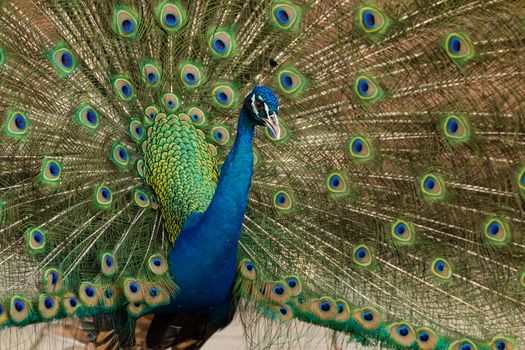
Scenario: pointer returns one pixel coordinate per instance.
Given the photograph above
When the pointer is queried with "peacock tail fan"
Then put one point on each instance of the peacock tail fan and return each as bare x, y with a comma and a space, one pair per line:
391, 207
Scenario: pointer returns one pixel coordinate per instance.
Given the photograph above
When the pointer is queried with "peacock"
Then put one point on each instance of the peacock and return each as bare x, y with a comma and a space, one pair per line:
357, 165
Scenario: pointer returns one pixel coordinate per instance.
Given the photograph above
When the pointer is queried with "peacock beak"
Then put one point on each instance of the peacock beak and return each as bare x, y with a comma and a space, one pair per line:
273, 124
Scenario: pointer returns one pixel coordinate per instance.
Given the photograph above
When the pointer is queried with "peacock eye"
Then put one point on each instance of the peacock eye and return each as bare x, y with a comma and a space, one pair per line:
259, 105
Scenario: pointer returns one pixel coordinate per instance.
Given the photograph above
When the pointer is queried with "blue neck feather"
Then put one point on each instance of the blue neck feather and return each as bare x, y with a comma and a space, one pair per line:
203, 261
235, 179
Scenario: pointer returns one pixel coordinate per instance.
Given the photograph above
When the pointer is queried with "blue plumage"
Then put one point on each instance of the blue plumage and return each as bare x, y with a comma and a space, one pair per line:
202, 244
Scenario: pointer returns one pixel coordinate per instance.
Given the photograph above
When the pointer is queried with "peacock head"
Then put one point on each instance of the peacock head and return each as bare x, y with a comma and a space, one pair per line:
262, 106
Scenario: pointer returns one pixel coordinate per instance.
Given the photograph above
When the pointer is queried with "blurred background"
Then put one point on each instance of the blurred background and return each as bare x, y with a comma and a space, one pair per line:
68, 337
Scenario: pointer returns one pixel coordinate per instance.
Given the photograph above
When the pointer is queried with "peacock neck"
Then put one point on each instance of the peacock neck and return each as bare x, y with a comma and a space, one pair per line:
231, 195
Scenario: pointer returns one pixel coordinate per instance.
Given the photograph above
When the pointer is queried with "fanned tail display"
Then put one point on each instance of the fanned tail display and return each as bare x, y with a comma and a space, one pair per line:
388, 203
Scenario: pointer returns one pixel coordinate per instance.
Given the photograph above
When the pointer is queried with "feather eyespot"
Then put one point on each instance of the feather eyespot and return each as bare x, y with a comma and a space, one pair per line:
141, 198
53, 281
362, 255
282, 16
152, 78
103, 197
294, 283
36, 239
17, 124
275, 292
197, 116
283, 201
336, 183
154, 202
87, 116
360, 149
133, 290
156, 296
170, 102
456, 128
220, 135
108, 264
247, 269
20, 309
51, 172
442, 269
497, 231
402, 334
402, 231
48, 306
324, 308
463, 345
136, 130
278, 290
501, 343
340, 308
372, 20
285, 15
139, 166
150, 113
290, 81
126, 22
123, 88
343, 311
89, 294
459, 47
432, 187
191, 76
221, 43
153, 292
151, 73
157, 264
367, 89
282, 312
136, 309
368, 318
119, 155
108, 297
70, 304
426, 339
171, 16
224, 95
63, 60
423, 337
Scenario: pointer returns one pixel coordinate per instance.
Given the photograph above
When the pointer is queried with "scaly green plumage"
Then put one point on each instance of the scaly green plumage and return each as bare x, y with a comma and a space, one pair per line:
185, 170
